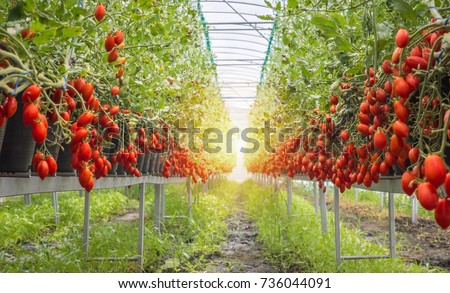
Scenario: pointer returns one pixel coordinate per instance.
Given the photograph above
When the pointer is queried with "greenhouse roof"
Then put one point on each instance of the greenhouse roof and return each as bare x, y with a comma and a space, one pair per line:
239, 41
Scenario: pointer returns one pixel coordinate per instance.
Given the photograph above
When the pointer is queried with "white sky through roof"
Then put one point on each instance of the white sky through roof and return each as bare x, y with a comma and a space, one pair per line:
239, 42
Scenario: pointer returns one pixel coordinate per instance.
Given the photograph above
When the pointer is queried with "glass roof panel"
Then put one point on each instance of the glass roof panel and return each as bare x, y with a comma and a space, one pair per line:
239, 41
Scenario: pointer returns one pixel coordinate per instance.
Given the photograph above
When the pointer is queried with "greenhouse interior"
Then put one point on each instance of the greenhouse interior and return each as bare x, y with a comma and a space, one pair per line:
225, 136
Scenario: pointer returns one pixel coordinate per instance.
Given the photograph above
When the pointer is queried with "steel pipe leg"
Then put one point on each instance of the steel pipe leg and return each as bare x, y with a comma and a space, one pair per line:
27, 199
87, 212
316, 198
140, 246
415, 210
55, 206
391, 225
289, 195
323, 211
157, 211
163, 201
337, 226
189, 194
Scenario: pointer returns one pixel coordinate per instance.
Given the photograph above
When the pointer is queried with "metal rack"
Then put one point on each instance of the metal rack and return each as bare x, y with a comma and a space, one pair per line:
391, 185
13, 186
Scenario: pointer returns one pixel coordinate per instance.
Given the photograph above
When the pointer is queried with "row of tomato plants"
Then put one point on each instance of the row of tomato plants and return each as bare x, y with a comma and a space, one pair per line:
79, 117
395, 122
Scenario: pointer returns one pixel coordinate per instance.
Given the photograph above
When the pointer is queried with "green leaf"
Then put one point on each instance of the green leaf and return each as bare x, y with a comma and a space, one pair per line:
70, 32
37, 27
45, 37
404, 9
268, 4
292, 4
265, 17
343, 45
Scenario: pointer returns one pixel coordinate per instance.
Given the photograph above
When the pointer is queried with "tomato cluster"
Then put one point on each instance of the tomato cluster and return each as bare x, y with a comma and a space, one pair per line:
92, 122
361, 138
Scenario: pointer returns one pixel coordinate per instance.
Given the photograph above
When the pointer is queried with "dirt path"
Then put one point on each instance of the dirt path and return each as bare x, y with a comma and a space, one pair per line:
241, 253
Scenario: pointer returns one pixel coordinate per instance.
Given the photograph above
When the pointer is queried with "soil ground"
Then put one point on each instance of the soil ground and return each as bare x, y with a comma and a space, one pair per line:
423, 243
241, 253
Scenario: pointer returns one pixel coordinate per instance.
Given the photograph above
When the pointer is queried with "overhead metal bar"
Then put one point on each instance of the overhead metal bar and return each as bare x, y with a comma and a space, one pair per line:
238, 34
240, 29
235, 2
238, 60
236, 48
251, 23
243, 82
239, 64
234, 53
237, 69
254, 26
230, 98
228, 12
240, 40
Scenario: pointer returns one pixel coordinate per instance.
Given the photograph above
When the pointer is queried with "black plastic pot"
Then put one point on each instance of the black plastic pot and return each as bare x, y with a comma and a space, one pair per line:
146, 167
18, 143
2, 133
63, 160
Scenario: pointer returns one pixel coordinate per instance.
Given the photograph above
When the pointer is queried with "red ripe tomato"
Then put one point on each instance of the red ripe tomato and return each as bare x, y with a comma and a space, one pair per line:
115, 90
118, 37
402, 88
113, 55
363, 129
90, 184
52, 165
65, 115
10, 106
388, 87
39, 132
84, 153
344, 135
447, 185
87, 91
38, 156
434, 170
408, 188
396, 145
85, 119
390, 159
413, 81
401, 111
42, 169
384, 168
109, 43
381, 95
442, 213
400, 129
79, 84
31, 93
387, 67
84, 176
114, 110
402, 38
413, 155
416, 51
27, 34
396, 56
99, 12
334, 100
427, 196
380, 140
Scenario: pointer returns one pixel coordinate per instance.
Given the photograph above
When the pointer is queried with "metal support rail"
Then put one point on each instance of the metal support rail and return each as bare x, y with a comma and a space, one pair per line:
12, 186
390, 185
